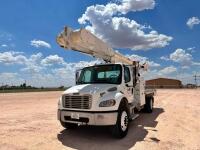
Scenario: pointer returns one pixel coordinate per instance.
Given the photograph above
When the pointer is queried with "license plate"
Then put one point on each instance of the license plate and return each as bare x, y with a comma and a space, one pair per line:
74, 116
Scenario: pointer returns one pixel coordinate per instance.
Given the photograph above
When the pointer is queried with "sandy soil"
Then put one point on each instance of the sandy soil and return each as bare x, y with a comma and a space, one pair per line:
28, 121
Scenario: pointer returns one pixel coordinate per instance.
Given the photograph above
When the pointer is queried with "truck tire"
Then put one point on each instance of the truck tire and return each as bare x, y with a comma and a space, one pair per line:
120, 129
68, 125
149, 104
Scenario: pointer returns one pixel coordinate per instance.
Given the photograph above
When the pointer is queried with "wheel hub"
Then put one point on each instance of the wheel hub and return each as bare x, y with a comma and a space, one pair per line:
124, 121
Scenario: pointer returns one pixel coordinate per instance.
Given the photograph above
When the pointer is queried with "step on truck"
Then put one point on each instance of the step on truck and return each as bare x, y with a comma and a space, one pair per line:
109, 94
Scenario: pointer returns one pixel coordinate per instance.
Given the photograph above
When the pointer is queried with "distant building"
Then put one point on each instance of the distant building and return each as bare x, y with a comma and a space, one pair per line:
163, 83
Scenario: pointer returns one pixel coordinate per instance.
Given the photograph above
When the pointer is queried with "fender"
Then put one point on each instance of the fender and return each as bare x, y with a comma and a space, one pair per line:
117, 96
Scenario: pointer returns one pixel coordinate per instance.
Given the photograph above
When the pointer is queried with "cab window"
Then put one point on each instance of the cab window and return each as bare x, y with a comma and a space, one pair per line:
127, 76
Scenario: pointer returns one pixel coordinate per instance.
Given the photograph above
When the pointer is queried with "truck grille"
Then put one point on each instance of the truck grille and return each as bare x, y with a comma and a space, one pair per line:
77, 101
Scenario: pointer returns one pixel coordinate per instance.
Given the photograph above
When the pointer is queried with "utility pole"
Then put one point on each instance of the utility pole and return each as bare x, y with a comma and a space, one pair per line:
196, 78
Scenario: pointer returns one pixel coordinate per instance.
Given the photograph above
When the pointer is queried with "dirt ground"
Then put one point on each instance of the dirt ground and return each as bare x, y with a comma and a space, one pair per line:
28, 121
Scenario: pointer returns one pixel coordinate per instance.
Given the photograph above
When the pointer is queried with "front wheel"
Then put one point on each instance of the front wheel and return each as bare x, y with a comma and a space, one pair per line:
120, 129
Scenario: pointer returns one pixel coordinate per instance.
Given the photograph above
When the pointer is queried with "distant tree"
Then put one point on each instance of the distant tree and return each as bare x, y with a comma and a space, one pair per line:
24, 85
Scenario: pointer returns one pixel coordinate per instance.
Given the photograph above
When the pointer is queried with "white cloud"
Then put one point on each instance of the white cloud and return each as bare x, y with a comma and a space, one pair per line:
124, 7
11, 57
153, 64
45, 80
196, 63
121, 32
167, 70
164, 58
31, 69
142, 60
135, 5
82, 64
39, 71
8, 75
191, 49
35, 57
182, 57
193, 21
52, 60
186, 78
64, 73
41, 75
10, 78
32, 64
4, 45
40, 43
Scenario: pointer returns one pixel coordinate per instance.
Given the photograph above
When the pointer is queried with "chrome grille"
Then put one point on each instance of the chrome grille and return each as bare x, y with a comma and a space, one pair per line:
77, 101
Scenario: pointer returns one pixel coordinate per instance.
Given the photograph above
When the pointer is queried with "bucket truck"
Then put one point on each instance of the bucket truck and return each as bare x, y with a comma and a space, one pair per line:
110, 94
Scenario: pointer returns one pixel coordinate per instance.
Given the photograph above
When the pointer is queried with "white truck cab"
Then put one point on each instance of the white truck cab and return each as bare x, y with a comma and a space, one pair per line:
108, 94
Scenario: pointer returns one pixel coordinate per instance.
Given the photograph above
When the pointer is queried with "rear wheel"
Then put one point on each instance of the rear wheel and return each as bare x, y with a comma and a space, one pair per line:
120, 129
149, 104
68, 125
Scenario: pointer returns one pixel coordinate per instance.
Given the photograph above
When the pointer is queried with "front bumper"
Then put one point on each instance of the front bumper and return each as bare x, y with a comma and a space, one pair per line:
88, 118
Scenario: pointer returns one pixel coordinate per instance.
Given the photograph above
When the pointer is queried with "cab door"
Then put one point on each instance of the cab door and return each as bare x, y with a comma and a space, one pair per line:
128, 84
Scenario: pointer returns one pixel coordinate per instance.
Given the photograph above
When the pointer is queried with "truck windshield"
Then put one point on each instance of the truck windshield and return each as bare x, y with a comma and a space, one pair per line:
110, 74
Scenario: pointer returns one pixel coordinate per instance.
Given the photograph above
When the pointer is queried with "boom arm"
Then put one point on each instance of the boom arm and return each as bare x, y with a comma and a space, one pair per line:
85, 42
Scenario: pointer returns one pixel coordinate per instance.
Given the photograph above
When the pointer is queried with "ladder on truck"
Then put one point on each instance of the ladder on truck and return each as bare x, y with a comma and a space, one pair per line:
85, 42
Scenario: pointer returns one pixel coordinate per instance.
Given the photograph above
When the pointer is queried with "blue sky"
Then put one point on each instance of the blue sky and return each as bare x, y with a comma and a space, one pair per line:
44, 63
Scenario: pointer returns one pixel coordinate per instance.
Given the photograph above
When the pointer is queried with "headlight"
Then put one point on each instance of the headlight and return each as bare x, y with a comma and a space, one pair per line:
59, 101
107, 103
